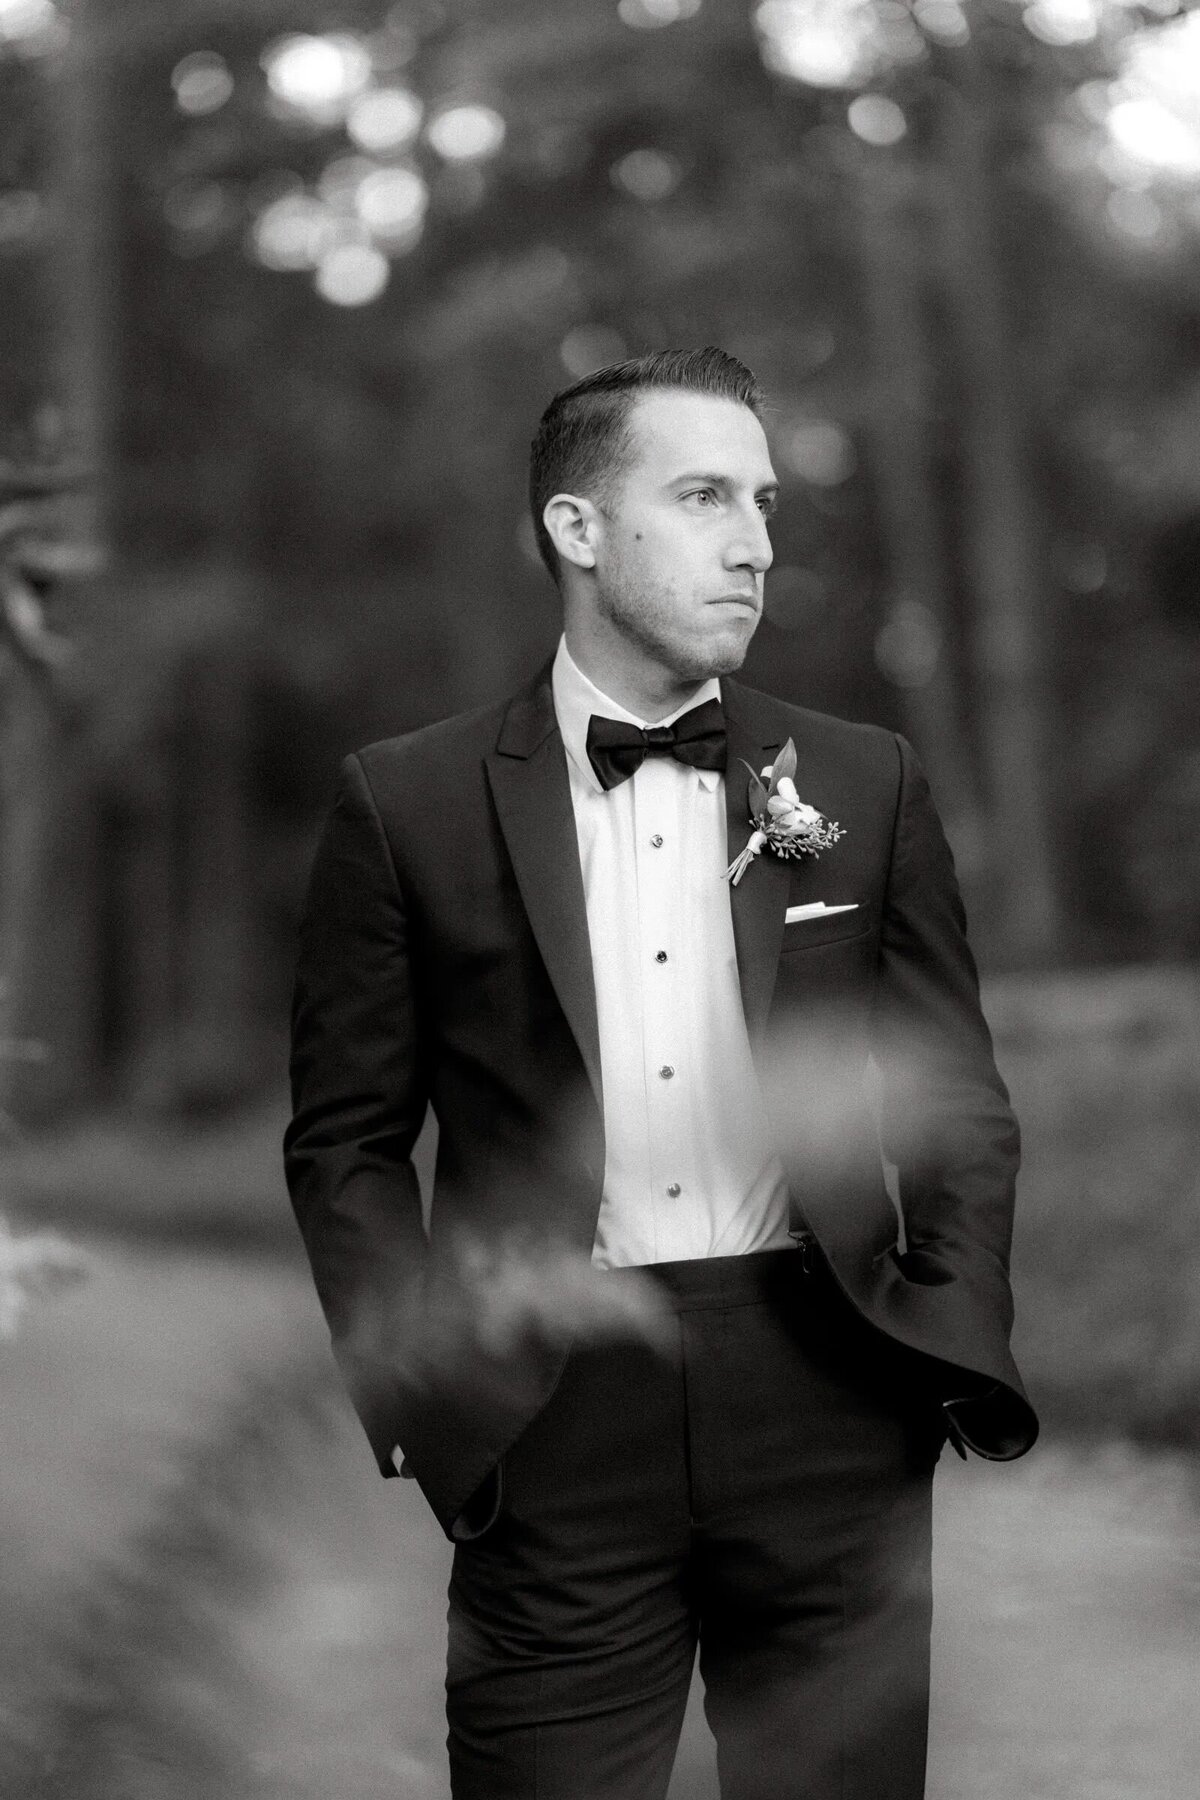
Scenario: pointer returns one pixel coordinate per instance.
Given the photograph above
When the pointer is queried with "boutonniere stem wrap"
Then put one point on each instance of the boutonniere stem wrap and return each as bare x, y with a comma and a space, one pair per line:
782, 822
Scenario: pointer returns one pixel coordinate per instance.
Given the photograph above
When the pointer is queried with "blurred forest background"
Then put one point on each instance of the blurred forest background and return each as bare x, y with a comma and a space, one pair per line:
284, 285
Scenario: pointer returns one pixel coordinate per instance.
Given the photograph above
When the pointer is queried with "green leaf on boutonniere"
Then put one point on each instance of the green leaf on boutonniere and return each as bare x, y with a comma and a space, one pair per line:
757, 795
785, 764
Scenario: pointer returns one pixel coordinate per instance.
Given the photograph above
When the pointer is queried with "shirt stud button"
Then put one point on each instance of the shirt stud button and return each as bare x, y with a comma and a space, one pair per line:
666, 1071
656, 840
660, 956
674, 1190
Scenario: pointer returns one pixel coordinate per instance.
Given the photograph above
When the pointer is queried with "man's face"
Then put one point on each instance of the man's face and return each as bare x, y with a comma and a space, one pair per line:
683, 545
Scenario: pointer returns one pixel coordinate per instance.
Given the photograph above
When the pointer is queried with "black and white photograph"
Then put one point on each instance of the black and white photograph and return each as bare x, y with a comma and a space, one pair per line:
599, 899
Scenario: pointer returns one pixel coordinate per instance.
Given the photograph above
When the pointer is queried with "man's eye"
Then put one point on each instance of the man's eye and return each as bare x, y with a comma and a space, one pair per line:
767, 508
701, 495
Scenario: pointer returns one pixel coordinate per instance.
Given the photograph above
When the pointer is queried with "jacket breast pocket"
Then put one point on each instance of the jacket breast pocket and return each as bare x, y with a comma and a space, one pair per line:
815, 934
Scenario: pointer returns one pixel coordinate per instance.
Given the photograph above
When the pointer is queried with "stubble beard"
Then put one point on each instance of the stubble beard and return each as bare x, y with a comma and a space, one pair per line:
641, 614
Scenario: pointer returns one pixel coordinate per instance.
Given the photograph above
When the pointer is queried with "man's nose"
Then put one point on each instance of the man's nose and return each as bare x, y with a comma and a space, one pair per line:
749, 545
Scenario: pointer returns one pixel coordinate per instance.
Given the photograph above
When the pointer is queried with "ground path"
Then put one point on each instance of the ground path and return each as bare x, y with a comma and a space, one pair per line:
208, 1596
105, 1393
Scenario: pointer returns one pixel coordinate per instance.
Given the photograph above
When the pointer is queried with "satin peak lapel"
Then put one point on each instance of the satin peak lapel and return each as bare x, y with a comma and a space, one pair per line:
759, 900
532, 790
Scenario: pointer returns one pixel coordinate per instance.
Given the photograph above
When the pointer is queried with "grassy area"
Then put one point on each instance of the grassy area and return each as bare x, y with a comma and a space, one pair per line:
1105, 1072
220, 1185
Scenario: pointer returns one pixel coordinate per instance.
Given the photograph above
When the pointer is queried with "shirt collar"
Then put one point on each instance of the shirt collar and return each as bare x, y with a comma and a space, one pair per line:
576, 699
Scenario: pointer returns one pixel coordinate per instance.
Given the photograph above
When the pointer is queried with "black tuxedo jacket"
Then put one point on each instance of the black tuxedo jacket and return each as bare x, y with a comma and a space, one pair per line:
445, 961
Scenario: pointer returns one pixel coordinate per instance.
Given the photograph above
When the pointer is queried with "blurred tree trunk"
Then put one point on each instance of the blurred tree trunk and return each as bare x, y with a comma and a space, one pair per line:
24, 755
84, 278
216, 949
901, 406
47, 922
1000, 529
53, 897
146, 929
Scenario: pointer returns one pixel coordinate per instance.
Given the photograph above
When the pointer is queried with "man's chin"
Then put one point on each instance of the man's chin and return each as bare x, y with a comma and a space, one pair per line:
725, 656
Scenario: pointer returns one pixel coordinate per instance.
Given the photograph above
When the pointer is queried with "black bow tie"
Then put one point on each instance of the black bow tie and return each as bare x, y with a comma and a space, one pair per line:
617, 749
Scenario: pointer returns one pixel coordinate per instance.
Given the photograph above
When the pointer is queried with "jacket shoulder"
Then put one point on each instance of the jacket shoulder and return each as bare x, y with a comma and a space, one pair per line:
816, 732
420, 779
446, 741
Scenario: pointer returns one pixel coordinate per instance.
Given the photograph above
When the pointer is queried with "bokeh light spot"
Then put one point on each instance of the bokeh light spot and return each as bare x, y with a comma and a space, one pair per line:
1135, 214
1094, 100
202, 82
317, 76
1153, 135
820, 52
648, 15
199, 211
384, 120
908, 645
293, 232
340, 180
1083, 565
819, 452
22, 214
942, 20
467, 133
836, 43
397, 40
391, 204
590, 347
876, 120
648, 175
352, 274
31, 25
1062, 22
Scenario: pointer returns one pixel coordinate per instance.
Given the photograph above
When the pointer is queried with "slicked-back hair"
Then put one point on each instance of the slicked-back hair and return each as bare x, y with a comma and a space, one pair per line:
584, 441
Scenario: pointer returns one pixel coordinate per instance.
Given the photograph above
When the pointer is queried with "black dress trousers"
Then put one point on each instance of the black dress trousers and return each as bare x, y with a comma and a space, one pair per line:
762, 1490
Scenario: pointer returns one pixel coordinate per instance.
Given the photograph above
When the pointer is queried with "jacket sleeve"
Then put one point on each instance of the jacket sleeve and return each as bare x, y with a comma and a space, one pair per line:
359, 1098
945, 1116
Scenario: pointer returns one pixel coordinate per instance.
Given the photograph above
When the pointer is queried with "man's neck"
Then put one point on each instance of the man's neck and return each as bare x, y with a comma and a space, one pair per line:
645, 689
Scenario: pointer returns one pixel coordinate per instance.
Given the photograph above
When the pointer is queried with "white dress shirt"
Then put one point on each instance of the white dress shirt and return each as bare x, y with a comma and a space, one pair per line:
689, 1167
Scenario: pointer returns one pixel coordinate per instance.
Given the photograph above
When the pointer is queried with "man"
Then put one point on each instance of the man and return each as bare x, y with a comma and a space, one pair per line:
643, 1069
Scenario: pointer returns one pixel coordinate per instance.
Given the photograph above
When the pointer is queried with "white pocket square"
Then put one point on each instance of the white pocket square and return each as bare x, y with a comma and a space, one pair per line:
816, 909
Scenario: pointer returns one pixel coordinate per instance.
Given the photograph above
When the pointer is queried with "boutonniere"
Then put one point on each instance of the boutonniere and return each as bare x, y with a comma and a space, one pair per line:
782, 822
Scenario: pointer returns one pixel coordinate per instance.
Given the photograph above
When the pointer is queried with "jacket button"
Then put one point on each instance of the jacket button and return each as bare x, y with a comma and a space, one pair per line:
674, 1190
660, 956
666, 1071
656, 840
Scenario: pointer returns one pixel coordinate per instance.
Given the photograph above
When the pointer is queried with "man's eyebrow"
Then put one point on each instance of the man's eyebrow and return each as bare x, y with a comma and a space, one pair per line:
711, 480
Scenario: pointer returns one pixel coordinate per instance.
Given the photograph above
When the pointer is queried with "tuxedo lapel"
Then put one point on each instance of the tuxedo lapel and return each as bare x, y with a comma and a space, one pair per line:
759, 901
532, 792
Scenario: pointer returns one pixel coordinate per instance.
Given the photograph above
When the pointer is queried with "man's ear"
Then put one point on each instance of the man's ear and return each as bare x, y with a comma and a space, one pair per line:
574, 527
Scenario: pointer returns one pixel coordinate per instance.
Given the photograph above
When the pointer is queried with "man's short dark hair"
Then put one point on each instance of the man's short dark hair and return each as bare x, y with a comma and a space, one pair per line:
583, 441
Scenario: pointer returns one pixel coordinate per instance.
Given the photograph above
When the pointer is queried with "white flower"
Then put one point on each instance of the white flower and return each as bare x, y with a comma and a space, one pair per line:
791, 815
